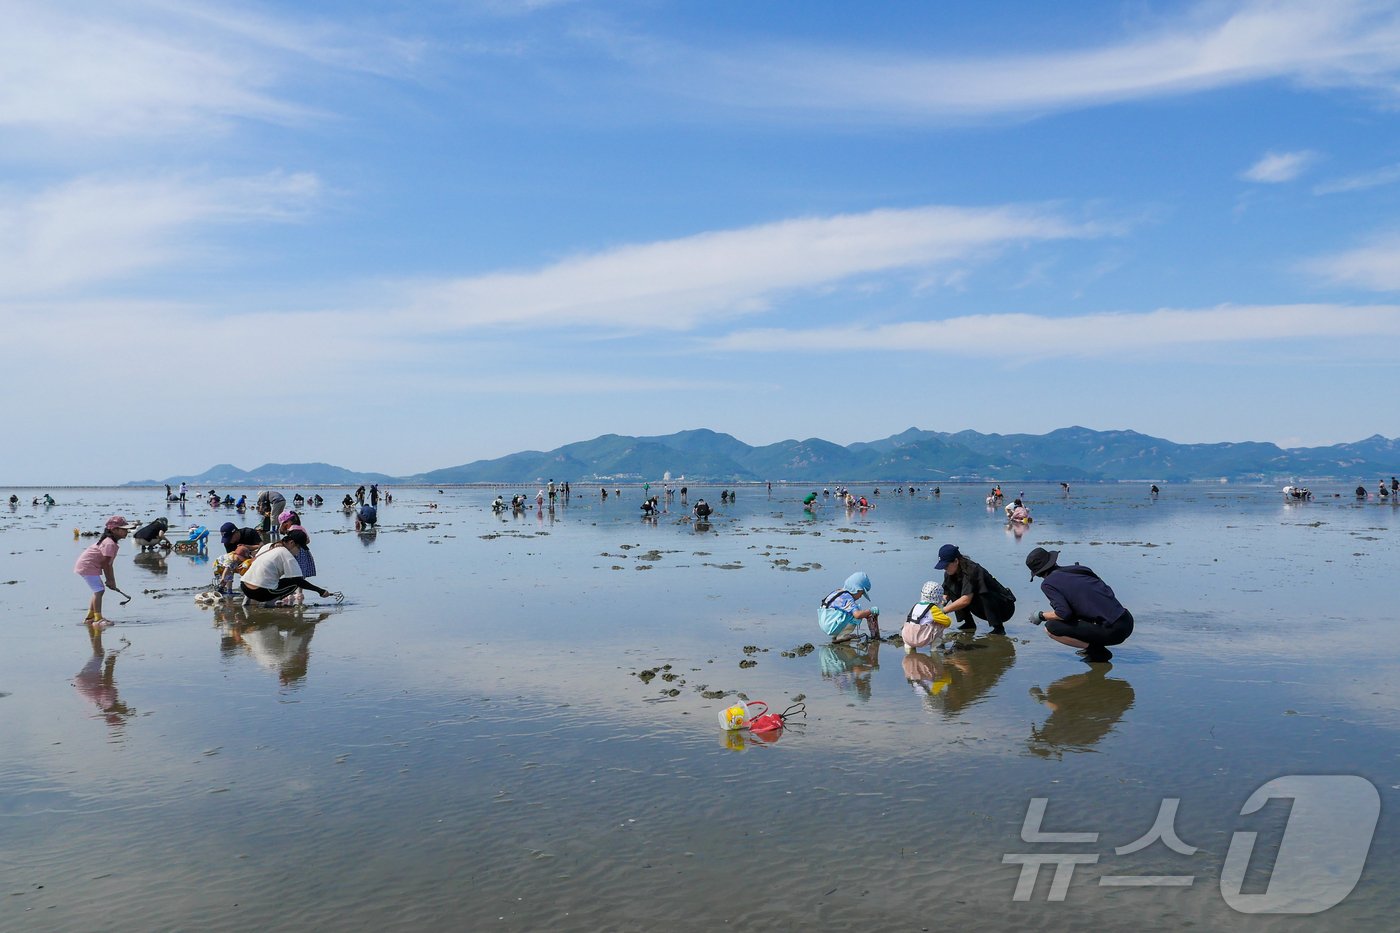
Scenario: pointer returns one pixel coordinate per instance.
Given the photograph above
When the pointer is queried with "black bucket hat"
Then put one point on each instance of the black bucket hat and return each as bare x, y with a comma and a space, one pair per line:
1041, 561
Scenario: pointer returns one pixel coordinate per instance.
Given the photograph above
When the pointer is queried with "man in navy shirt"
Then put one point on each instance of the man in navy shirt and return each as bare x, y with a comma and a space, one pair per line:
1084, 613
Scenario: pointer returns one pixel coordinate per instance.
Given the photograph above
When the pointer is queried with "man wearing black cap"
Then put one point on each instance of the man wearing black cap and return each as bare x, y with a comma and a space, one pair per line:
233, 536
1084, 613
971, 591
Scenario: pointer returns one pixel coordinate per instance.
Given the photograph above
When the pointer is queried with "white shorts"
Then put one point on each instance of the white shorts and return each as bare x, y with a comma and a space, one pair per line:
95, 582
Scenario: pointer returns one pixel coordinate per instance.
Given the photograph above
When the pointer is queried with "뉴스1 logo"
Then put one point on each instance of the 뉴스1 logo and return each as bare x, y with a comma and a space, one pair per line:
1317, 863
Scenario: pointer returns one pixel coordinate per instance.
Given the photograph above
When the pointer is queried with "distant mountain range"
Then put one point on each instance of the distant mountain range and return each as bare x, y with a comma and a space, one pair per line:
1066, 455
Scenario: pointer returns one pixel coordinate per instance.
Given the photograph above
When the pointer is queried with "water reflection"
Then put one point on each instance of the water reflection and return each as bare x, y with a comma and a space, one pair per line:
278, 639
928, 675
1083, 708
98, 682
152, 562
951, 682
850, 665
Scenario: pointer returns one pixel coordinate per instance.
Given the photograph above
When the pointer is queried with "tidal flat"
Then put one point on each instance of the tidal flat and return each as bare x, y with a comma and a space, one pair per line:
511, 723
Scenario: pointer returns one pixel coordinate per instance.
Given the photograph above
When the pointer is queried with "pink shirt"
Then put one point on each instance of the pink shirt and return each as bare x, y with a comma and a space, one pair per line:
96, 558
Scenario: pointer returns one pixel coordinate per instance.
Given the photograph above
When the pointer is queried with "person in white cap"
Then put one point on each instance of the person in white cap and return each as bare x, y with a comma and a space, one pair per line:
926, 623
98, 562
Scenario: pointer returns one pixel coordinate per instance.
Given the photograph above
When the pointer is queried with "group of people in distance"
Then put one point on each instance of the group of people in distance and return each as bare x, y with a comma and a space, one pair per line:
1084, 613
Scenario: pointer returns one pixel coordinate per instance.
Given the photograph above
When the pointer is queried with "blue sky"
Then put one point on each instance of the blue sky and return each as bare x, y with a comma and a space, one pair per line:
401, 236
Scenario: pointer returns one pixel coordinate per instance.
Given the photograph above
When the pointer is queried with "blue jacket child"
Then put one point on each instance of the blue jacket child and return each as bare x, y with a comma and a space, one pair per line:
839, 615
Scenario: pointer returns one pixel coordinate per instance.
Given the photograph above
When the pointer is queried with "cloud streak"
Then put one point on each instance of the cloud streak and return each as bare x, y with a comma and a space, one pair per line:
678, 284
1027, 337
1353, 44
97, 229
1375, 266
1387, 175
134, 69
1278, 167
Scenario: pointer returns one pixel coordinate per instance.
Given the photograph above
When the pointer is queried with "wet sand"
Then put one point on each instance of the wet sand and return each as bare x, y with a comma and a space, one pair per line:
470, 742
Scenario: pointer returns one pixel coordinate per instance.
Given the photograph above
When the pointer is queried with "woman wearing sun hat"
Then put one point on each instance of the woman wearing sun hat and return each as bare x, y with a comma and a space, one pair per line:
97, 562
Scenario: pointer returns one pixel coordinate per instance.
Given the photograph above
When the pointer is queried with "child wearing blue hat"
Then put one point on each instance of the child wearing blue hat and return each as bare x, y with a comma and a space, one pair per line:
839, 615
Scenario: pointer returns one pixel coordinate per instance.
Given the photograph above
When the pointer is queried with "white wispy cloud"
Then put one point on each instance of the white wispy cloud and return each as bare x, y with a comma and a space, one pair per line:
677, 284
1278, 167
96, 229
1388, 175
1374, 266
146, 68
1343, 43
1025, 337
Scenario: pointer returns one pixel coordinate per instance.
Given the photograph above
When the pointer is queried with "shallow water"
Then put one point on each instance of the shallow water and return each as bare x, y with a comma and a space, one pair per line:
466, 743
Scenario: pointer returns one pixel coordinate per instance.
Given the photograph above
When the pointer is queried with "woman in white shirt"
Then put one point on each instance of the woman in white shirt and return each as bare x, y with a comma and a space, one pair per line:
275, 572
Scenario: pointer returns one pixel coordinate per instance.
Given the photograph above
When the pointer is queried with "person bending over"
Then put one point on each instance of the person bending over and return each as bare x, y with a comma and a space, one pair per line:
275, 572
1084, 612
972, 591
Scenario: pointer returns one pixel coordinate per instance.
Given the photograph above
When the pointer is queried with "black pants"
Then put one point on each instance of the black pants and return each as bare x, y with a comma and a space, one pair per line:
285, 587
1091, 633
996, 610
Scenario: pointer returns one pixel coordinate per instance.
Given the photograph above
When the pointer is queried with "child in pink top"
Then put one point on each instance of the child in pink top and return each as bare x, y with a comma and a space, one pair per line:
96, 562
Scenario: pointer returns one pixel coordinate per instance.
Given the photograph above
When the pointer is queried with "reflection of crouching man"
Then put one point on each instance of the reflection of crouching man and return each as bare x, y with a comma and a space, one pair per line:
367, 517
1084, 613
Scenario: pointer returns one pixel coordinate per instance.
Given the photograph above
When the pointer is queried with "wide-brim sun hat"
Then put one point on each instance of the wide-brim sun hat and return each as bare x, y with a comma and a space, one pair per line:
1040, 561
860, 580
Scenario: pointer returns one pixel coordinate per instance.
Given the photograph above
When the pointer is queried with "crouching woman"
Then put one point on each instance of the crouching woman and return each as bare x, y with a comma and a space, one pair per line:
275, 572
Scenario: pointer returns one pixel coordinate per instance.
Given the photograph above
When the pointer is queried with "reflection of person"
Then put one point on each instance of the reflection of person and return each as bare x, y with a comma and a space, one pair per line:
839, 616
152, 562
850, 666
1084, 708
972, 591
281, 648
278, 642
97, 563
98, 681
927, 674
975, 670
1084, 613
